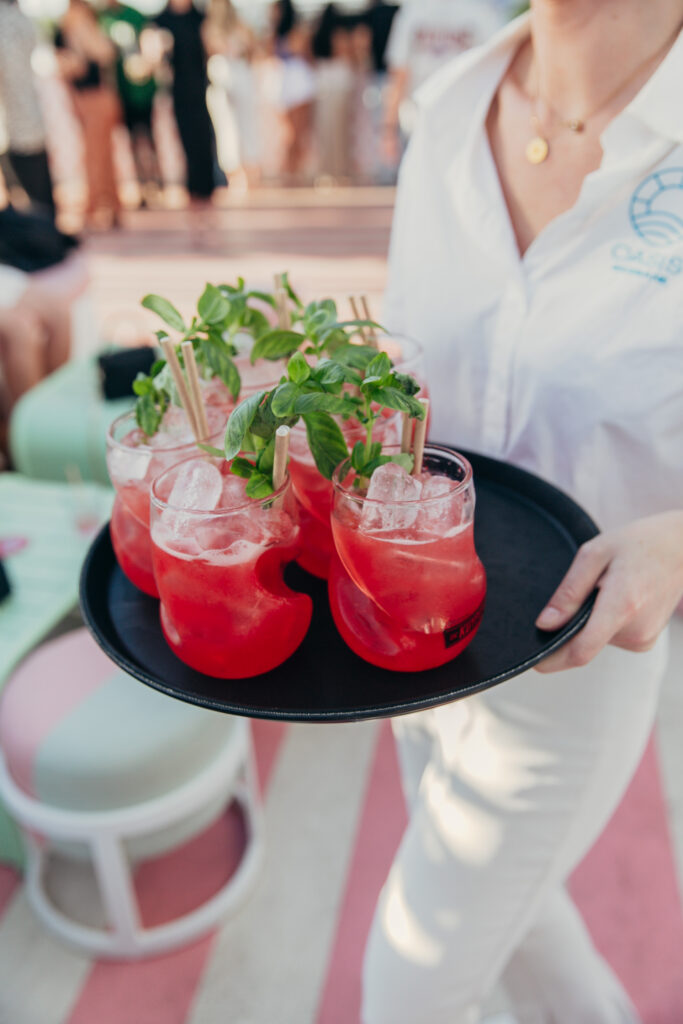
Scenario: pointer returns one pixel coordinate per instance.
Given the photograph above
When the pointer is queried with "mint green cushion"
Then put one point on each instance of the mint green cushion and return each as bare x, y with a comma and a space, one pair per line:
62, 423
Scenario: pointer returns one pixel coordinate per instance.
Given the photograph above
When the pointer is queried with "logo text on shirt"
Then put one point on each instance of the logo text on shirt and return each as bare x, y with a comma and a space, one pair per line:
656, 216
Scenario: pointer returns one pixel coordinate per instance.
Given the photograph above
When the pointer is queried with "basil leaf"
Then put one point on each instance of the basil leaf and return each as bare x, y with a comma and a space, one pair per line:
147, 415
163, 308
392, 398
276, 345
239, 423
316, 401
290, 291
358, 456
380, 366
326, 442
330, 375
407, 384
241, 467
401, 459
266, 459
358, 357
143, 385
259, 486
216, 355
298, 369
284, 398
209, 448
213, 307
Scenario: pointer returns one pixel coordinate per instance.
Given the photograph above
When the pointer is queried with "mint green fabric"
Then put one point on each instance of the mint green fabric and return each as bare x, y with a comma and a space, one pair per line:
44, 575
62, 423
125, 743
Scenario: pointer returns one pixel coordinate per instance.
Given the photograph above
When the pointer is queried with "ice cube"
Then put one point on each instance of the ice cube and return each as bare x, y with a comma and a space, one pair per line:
234, 492
175, 429
442, 509
393, 504
198, 485
127, 464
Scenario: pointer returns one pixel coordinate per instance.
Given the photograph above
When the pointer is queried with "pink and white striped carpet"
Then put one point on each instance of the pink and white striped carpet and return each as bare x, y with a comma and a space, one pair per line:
292, 955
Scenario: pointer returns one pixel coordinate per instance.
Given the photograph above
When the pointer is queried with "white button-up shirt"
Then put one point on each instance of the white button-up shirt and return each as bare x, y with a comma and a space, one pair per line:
568, 361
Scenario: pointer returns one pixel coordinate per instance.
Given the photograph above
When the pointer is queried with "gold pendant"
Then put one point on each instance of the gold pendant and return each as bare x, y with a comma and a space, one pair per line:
537, 150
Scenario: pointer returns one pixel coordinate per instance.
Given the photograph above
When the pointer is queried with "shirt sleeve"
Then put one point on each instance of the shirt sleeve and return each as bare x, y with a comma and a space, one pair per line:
398, 47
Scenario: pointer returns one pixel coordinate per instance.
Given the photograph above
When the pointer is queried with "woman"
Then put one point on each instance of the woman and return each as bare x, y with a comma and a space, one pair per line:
184, 22
335, 85
538, 248
86, 60
296, 93
21, 107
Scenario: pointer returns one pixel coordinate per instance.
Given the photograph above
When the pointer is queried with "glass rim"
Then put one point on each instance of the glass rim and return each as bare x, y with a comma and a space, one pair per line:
438, 449
114, 442
162, 504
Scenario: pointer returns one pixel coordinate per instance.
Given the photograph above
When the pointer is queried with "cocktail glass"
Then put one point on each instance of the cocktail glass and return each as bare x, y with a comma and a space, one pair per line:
219, 558
407, 589
134, 461
315, 494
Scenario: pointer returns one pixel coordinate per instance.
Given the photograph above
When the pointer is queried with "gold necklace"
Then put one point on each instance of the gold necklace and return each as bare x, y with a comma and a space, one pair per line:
538, 147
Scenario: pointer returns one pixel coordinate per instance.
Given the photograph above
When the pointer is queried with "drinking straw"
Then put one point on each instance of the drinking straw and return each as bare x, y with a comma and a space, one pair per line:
280, 461
184, 395
407, 433
372, 335
196, 398
420, 436
283, 319
357, 316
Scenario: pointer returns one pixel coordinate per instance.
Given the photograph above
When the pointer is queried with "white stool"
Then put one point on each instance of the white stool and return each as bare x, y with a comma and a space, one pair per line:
77, 747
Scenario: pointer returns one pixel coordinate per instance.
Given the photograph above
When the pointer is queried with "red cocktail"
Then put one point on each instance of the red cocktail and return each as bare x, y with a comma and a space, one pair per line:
219, 558
315, 494
134, 461
407, 589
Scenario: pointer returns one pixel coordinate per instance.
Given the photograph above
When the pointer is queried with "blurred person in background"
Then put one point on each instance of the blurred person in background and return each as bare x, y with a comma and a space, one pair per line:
425, 35
295, 94
20, 108
335, 88
137, 62
182, 20
86, 60
232, 48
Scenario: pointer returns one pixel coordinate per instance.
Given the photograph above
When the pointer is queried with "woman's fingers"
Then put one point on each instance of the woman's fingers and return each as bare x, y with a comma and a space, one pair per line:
613, 610
581, 580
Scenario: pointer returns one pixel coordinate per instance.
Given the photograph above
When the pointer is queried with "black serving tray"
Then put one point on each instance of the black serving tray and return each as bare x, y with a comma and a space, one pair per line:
526, 534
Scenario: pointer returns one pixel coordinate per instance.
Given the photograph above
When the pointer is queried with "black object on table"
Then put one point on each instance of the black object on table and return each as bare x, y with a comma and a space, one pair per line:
118, 370
5, 588
526, 533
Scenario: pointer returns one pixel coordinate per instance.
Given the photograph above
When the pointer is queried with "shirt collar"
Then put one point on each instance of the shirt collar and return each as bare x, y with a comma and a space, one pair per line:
658, 104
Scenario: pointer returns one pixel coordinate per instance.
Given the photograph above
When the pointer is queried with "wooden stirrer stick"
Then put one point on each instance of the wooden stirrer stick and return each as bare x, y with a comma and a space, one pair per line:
372, 334
280, 461
195, 389
357, 316
407, 433
283, 319
185, 400
420, 437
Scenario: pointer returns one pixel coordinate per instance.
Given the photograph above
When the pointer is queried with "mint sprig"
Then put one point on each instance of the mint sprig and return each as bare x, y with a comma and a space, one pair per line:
316, 394
321, 333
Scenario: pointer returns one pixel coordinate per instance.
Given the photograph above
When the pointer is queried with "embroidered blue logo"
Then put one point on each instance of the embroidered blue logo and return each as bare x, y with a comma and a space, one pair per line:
656, 209
656, 216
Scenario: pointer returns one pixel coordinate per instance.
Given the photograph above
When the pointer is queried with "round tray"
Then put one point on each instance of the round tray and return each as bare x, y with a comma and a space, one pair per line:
526, 534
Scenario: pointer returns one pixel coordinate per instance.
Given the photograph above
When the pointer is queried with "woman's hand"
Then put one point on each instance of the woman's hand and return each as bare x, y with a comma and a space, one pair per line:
638, 571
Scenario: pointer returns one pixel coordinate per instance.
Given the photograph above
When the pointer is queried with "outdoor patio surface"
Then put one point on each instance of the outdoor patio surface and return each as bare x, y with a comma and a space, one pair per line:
333, 804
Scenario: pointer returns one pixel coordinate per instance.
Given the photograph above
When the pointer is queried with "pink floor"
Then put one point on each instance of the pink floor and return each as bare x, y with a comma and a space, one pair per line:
626, 889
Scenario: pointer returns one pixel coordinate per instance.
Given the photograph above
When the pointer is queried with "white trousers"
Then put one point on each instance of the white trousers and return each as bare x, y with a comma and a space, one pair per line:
508, 790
